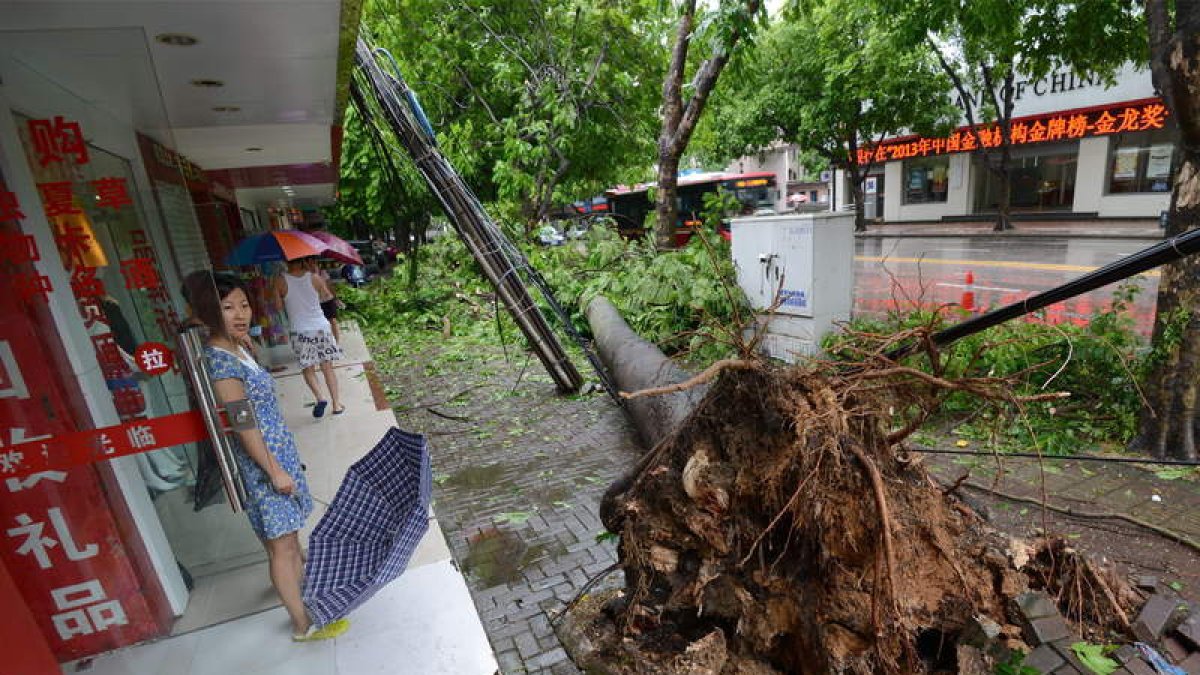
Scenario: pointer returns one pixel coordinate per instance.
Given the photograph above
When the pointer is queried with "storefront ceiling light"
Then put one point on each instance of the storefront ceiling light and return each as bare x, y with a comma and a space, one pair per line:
207, 83
176, 39
226, 108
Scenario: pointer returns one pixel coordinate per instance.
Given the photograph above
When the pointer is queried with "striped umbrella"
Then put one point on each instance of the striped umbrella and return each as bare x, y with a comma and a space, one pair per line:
275, 245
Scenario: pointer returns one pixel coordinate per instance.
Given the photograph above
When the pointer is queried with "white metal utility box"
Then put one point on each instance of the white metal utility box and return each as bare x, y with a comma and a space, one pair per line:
807, 260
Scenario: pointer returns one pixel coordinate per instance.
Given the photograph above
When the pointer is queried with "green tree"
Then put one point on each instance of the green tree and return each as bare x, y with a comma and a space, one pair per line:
725, 27
536, 102
1169, 420
984, 46
830, 78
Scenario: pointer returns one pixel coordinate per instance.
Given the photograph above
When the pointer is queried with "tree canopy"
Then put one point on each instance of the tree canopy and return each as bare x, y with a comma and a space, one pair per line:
536, 103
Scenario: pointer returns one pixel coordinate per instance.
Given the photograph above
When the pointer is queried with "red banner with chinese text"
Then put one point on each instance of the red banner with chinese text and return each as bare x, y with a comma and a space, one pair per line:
1143, 115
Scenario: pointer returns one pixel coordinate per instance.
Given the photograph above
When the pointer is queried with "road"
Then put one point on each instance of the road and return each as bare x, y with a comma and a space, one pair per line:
901, 272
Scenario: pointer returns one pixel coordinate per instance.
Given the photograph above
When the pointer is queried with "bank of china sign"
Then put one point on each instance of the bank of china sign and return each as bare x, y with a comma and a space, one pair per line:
1143, 115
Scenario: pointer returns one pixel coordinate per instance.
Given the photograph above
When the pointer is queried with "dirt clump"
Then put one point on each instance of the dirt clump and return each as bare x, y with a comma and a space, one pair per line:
782, 528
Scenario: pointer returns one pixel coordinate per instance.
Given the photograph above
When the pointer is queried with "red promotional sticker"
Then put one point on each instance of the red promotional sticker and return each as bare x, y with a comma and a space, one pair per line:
153, 358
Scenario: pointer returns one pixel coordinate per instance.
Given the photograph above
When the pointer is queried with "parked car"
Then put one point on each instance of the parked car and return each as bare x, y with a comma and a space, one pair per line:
548, 235
355, 275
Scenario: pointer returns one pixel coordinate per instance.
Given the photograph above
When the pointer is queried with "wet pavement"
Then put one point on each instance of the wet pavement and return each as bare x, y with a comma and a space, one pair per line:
927, 271
518, 474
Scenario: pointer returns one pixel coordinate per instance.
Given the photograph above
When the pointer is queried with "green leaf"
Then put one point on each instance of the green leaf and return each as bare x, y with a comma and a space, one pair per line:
1093, 657
514, 517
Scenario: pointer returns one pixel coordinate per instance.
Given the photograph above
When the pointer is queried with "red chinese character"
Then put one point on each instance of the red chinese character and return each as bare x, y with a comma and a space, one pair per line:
954, 142
140, 273
31, 286
1104, 124
1018, 133
111, 193
924, 146
880, 154
158, 295
112, 364
129, 401
167, 321
74, 242
863, 157
1037, 132
1130, 120
91, 311
9, 208
939, 144
990, 138
1077, 127
1153, 117
54, 141
153, 358
969, 141
1056, 127
85, 284
57, 199
17, 248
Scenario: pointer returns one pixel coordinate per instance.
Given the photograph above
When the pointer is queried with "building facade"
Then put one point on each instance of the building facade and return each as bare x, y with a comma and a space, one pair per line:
138, 143
1080, 149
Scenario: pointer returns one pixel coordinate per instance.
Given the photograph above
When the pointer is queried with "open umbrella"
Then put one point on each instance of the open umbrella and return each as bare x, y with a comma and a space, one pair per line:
371, 529
337, 248
275, 245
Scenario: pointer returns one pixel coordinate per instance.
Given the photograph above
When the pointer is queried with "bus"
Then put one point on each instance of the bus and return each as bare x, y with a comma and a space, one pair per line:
628, 206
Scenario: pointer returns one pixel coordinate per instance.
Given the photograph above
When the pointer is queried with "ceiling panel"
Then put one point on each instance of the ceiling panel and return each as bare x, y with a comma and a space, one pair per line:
277, 59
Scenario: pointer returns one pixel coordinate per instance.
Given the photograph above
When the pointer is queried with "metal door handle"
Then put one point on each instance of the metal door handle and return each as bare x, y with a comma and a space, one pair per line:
191, 352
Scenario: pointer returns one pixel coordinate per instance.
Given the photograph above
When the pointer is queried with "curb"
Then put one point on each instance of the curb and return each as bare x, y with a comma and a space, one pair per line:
1000, 235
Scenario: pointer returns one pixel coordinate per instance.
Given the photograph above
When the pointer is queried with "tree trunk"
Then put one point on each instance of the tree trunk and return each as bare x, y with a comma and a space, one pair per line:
1168, 421
1004, 203
860, 197
665, 211
681, 116
1166, 425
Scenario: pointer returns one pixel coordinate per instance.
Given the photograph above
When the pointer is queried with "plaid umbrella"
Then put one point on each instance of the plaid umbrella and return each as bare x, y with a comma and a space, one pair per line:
368, 534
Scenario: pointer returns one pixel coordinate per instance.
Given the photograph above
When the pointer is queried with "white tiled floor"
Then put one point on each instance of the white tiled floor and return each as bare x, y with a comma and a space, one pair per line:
423, 623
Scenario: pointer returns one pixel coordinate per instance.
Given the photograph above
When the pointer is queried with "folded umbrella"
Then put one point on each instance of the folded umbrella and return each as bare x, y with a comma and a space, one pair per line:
275, 245
337, 248
371, 528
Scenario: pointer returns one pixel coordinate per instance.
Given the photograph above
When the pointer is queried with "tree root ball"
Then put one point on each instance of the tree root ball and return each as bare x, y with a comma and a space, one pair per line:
779, 527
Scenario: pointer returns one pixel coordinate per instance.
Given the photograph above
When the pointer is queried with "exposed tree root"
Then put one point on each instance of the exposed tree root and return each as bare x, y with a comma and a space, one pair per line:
782, 529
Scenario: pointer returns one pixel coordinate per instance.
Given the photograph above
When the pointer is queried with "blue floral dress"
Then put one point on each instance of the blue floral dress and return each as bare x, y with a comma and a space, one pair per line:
271, 514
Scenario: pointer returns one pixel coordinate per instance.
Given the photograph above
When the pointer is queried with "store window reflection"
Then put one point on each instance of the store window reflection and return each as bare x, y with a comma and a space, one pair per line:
926, 179
1142, 162
1041, 178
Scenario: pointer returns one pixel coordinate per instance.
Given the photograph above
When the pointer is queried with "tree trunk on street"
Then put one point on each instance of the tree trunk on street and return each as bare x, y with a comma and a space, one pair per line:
1168, 421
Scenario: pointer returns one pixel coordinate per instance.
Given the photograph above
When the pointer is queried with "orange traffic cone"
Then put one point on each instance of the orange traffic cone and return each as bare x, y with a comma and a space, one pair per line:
968, 295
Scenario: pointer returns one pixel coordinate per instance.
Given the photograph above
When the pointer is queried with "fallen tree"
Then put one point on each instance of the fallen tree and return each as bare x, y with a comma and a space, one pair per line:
781, 527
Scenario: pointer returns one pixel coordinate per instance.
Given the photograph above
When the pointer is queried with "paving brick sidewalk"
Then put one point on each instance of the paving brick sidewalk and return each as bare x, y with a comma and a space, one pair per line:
518, 475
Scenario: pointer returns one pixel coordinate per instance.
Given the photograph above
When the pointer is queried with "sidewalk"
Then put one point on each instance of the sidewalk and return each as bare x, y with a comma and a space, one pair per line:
1093, 229
423, 623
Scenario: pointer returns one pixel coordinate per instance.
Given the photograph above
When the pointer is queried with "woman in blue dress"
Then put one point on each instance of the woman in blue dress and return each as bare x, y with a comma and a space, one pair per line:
278, 500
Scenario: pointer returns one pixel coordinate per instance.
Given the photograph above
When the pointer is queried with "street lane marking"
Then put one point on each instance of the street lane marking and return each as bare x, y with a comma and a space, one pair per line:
982, 288
1008, 264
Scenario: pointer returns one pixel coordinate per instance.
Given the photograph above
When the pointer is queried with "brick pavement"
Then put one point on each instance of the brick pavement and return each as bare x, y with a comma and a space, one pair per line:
518, 472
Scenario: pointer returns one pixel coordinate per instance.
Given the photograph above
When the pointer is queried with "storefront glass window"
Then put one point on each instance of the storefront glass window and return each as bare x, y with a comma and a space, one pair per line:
1041, 178
1143, 161
926, 179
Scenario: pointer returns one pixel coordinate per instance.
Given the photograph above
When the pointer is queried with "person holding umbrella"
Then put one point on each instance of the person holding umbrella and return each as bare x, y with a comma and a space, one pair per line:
278, 501
312, 334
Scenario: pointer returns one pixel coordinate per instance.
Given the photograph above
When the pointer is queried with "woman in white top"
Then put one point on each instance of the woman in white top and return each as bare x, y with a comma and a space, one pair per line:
312, 336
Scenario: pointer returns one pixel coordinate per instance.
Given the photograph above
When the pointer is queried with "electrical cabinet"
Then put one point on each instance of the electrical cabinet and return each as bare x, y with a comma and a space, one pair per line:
803, 265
